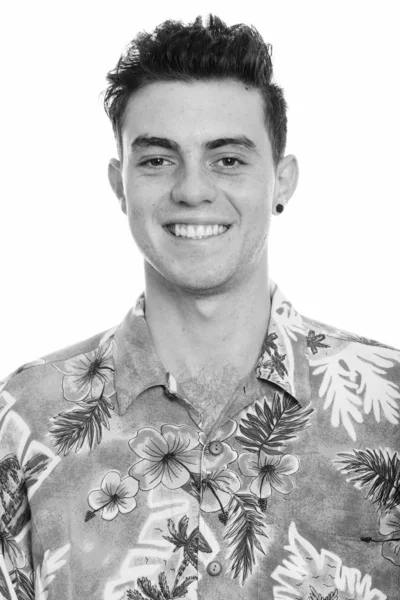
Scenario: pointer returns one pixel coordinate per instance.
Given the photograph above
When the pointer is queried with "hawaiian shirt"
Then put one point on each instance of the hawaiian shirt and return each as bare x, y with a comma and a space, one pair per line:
111, 488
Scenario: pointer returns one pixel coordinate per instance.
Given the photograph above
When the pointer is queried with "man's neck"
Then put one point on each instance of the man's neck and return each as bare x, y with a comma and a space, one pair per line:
191, 332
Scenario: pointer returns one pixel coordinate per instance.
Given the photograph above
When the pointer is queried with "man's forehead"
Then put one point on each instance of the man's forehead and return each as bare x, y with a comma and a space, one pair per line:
178, 115
206, 102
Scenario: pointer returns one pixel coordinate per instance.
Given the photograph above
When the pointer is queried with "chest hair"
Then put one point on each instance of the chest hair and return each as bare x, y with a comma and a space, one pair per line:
209, 390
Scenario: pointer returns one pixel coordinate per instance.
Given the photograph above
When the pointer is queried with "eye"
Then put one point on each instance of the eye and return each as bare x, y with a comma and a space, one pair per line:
149, 160
232, 158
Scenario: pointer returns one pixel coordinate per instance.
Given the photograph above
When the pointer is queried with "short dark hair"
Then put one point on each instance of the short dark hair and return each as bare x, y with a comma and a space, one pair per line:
178, 52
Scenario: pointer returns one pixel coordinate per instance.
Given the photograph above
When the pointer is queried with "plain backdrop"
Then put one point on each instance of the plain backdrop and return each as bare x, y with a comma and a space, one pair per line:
69, 267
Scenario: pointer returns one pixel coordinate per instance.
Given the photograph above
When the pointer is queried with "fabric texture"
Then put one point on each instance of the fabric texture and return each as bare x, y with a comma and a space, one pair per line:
110, 488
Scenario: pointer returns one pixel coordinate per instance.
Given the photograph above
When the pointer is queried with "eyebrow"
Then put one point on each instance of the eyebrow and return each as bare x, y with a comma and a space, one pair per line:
145, 141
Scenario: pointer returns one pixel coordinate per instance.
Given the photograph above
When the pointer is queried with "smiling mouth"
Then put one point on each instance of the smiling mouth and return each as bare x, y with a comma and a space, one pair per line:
187, 233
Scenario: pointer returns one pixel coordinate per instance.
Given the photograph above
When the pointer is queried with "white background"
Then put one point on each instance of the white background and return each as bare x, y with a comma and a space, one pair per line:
69, 267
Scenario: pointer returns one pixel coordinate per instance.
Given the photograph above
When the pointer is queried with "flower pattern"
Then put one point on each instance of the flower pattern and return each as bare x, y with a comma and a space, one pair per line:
115, 496
88, 375
227, 455
217, 488
390, 527
167, 457
227, 486
269, 471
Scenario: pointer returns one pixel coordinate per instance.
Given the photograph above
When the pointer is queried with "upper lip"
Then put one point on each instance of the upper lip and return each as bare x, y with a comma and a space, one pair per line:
188, 221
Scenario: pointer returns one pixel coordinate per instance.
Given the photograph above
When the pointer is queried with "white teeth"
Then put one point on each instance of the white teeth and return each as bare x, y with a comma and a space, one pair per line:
196, 231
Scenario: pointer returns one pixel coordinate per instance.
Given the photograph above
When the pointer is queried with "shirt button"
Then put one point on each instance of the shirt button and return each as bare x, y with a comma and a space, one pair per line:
215, 448
214, 568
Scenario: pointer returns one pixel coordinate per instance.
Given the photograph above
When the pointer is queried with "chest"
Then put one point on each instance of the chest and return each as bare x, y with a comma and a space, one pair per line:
209, 390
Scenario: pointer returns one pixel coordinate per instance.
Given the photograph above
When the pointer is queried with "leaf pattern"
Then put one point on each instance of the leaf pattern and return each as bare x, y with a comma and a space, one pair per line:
75, 427
23, 584
182, 588
245, 524
358, 372
309, 567
356, 377
134, 595
162, 582
271, 429
4, 590
149, 589
191, 544
45, 572
314, 595
378, 470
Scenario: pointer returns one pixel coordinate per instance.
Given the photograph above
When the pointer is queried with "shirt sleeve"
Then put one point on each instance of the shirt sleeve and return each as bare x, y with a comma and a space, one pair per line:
16, 572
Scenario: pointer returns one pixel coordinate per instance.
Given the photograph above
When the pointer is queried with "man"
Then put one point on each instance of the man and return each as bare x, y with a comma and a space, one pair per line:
215, 444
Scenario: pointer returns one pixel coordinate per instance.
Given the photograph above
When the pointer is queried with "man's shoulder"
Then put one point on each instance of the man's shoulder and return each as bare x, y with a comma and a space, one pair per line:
313, 326
39, 372
350, 351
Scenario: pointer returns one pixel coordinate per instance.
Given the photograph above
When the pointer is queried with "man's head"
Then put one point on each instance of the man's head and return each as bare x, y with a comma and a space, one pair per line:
194, 52
194, 97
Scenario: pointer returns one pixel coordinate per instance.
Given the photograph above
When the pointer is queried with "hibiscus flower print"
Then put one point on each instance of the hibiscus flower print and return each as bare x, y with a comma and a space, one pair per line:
269, 471
217, 453
390, 527
217, 489
88, 375
115, 496
168, 457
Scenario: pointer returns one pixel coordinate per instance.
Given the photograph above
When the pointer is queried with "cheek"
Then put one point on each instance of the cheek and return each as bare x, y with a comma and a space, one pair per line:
140, 205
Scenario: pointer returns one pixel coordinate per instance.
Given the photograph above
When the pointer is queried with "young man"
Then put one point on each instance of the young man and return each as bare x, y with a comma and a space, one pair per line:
216, 443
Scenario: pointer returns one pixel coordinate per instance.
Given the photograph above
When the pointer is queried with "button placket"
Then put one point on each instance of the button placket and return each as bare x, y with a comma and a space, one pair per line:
202, 475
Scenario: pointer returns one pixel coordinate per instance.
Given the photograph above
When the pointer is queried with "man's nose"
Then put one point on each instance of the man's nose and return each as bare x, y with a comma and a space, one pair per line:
194, 184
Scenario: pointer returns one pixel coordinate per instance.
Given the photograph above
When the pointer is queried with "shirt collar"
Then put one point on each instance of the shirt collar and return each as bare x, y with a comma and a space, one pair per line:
283, 360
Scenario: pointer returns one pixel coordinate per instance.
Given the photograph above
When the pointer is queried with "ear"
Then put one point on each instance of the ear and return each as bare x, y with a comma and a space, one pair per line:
115, 179
287, 176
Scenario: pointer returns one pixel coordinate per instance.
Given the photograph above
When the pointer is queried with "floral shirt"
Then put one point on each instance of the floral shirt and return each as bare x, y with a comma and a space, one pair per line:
111, 488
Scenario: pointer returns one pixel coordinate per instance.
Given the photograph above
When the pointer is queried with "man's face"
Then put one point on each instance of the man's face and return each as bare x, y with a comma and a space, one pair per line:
192, 184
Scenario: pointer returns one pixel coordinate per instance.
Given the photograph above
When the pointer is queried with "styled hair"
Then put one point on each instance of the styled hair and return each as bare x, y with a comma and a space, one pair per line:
178, 52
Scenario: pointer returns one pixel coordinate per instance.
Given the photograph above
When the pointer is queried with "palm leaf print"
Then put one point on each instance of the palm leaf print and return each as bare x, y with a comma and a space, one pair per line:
85, 423
314, 595
191, 544
162, 581
149, 589
182, 589
245, 523
134, 595
23, 585
271, 429
45, 572
381, 472
3, 583
358, 381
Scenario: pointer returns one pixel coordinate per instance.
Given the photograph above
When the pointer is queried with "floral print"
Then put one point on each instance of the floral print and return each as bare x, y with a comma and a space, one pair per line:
115, 496
88, 375
167, 457
217, 489
127, 495
269, 472
390, 527
226, 455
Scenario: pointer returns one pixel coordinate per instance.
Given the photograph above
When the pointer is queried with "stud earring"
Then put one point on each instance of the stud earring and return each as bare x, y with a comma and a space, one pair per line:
279, 208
